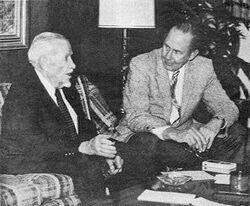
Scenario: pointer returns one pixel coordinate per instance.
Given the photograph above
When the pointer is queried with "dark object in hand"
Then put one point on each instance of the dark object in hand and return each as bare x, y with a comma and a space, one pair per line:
113, 140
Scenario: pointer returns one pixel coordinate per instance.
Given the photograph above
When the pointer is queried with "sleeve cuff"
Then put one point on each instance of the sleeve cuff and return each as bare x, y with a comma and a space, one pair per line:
85, 148
159, 131
223, 127
224, 122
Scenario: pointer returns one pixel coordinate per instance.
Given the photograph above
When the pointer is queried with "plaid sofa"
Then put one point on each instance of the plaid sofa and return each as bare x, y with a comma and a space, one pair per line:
52, 189
37, 189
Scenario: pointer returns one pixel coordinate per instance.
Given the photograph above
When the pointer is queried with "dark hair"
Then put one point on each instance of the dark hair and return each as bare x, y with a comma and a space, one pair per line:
176, 13
192, 26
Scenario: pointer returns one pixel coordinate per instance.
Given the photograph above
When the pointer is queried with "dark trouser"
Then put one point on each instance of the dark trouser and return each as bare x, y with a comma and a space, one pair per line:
86, 173
145, 155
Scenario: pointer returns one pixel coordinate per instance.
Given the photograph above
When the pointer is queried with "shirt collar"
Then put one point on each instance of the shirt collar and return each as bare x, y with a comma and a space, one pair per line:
182, 70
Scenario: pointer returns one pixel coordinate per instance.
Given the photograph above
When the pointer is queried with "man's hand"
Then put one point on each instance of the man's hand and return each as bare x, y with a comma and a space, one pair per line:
99, 145
196, 139
199, 136
209, 135
193, 137
210, 130
115, 165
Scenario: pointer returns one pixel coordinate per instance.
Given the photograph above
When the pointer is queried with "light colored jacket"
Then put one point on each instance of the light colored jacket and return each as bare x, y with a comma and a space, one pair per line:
147, 99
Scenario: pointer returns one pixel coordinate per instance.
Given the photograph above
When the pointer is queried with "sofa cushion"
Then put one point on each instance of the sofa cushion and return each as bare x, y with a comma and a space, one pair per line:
35, 189
19, 195
64, 201
51, 186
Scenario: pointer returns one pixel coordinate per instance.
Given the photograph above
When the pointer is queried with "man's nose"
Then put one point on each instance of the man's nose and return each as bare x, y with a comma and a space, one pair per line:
169, 54
72, 64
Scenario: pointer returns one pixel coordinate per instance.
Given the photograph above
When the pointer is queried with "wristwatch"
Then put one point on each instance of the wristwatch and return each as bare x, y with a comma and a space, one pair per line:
223, 124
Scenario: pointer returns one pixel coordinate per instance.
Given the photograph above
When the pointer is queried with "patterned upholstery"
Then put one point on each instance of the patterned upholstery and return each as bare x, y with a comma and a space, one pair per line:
64, 201
50, 189
4, 88
95, 106
37, 189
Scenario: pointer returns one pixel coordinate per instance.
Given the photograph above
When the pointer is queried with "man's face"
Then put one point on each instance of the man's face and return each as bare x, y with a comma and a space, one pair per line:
176, 49
60, 65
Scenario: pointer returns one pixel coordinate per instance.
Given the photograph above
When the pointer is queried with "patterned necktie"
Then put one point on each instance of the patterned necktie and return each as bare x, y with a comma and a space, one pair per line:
172, 90
70, 128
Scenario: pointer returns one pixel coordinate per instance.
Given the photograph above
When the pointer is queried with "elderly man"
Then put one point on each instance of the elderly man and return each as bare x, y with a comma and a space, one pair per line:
44, 126
163, 89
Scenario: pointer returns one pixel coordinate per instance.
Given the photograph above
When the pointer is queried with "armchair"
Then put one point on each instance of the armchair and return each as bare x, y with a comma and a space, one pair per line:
34, 189
37, 189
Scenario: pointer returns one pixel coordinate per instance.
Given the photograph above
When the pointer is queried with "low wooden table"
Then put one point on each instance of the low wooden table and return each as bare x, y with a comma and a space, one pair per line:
206, 189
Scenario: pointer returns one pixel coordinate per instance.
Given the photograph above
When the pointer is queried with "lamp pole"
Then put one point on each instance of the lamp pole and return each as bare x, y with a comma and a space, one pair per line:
124, 59
125, 56
126, 14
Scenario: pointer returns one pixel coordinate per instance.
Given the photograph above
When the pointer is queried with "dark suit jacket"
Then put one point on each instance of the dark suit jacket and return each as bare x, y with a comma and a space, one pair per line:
34, 138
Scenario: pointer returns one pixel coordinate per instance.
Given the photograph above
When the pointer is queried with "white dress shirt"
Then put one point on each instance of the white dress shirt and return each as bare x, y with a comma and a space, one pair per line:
178, 95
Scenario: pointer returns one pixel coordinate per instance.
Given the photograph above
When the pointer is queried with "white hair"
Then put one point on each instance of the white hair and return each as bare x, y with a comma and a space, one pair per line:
41, 45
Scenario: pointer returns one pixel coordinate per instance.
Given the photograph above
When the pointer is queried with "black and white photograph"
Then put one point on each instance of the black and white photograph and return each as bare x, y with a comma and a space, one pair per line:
124, 102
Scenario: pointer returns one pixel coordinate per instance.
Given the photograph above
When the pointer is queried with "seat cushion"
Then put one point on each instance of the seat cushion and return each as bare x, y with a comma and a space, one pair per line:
19, 195
72, 200
35, 189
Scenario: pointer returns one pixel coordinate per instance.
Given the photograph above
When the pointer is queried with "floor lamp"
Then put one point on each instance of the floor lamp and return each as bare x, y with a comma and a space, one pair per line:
126, 14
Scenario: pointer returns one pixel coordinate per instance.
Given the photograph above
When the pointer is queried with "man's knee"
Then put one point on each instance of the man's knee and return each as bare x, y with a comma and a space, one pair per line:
238, 132
144, 140
230, 148
138, 154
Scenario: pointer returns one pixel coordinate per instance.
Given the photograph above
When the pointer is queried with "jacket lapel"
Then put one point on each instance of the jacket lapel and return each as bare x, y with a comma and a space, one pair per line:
162, 78
47, 101
187, 91
51, 106
85, 127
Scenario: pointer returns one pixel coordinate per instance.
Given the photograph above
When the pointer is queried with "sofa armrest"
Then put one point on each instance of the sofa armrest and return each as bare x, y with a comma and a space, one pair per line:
72, 200
34, 189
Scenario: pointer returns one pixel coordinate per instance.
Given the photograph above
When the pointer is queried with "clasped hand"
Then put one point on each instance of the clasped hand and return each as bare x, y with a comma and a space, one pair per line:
200, 139
99, 145
102, 146
115, 165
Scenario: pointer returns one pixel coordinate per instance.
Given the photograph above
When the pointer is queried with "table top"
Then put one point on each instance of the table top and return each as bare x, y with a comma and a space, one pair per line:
207, 189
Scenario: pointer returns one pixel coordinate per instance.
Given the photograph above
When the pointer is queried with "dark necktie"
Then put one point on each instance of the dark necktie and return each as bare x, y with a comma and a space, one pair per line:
173, 97
70, 128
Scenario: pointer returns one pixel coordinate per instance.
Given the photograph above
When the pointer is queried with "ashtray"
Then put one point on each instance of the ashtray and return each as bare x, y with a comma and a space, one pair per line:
174, 179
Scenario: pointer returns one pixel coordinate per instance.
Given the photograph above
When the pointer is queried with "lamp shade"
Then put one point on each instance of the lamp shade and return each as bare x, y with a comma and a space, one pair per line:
126, 14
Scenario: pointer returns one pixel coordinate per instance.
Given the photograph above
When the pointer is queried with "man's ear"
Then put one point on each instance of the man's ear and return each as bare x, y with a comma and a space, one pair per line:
193, 54
45, 62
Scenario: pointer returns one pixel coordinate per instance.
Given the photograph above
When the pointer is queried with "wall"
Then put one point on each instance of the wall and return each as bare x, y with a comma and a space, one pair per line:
13, 62
97, 52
